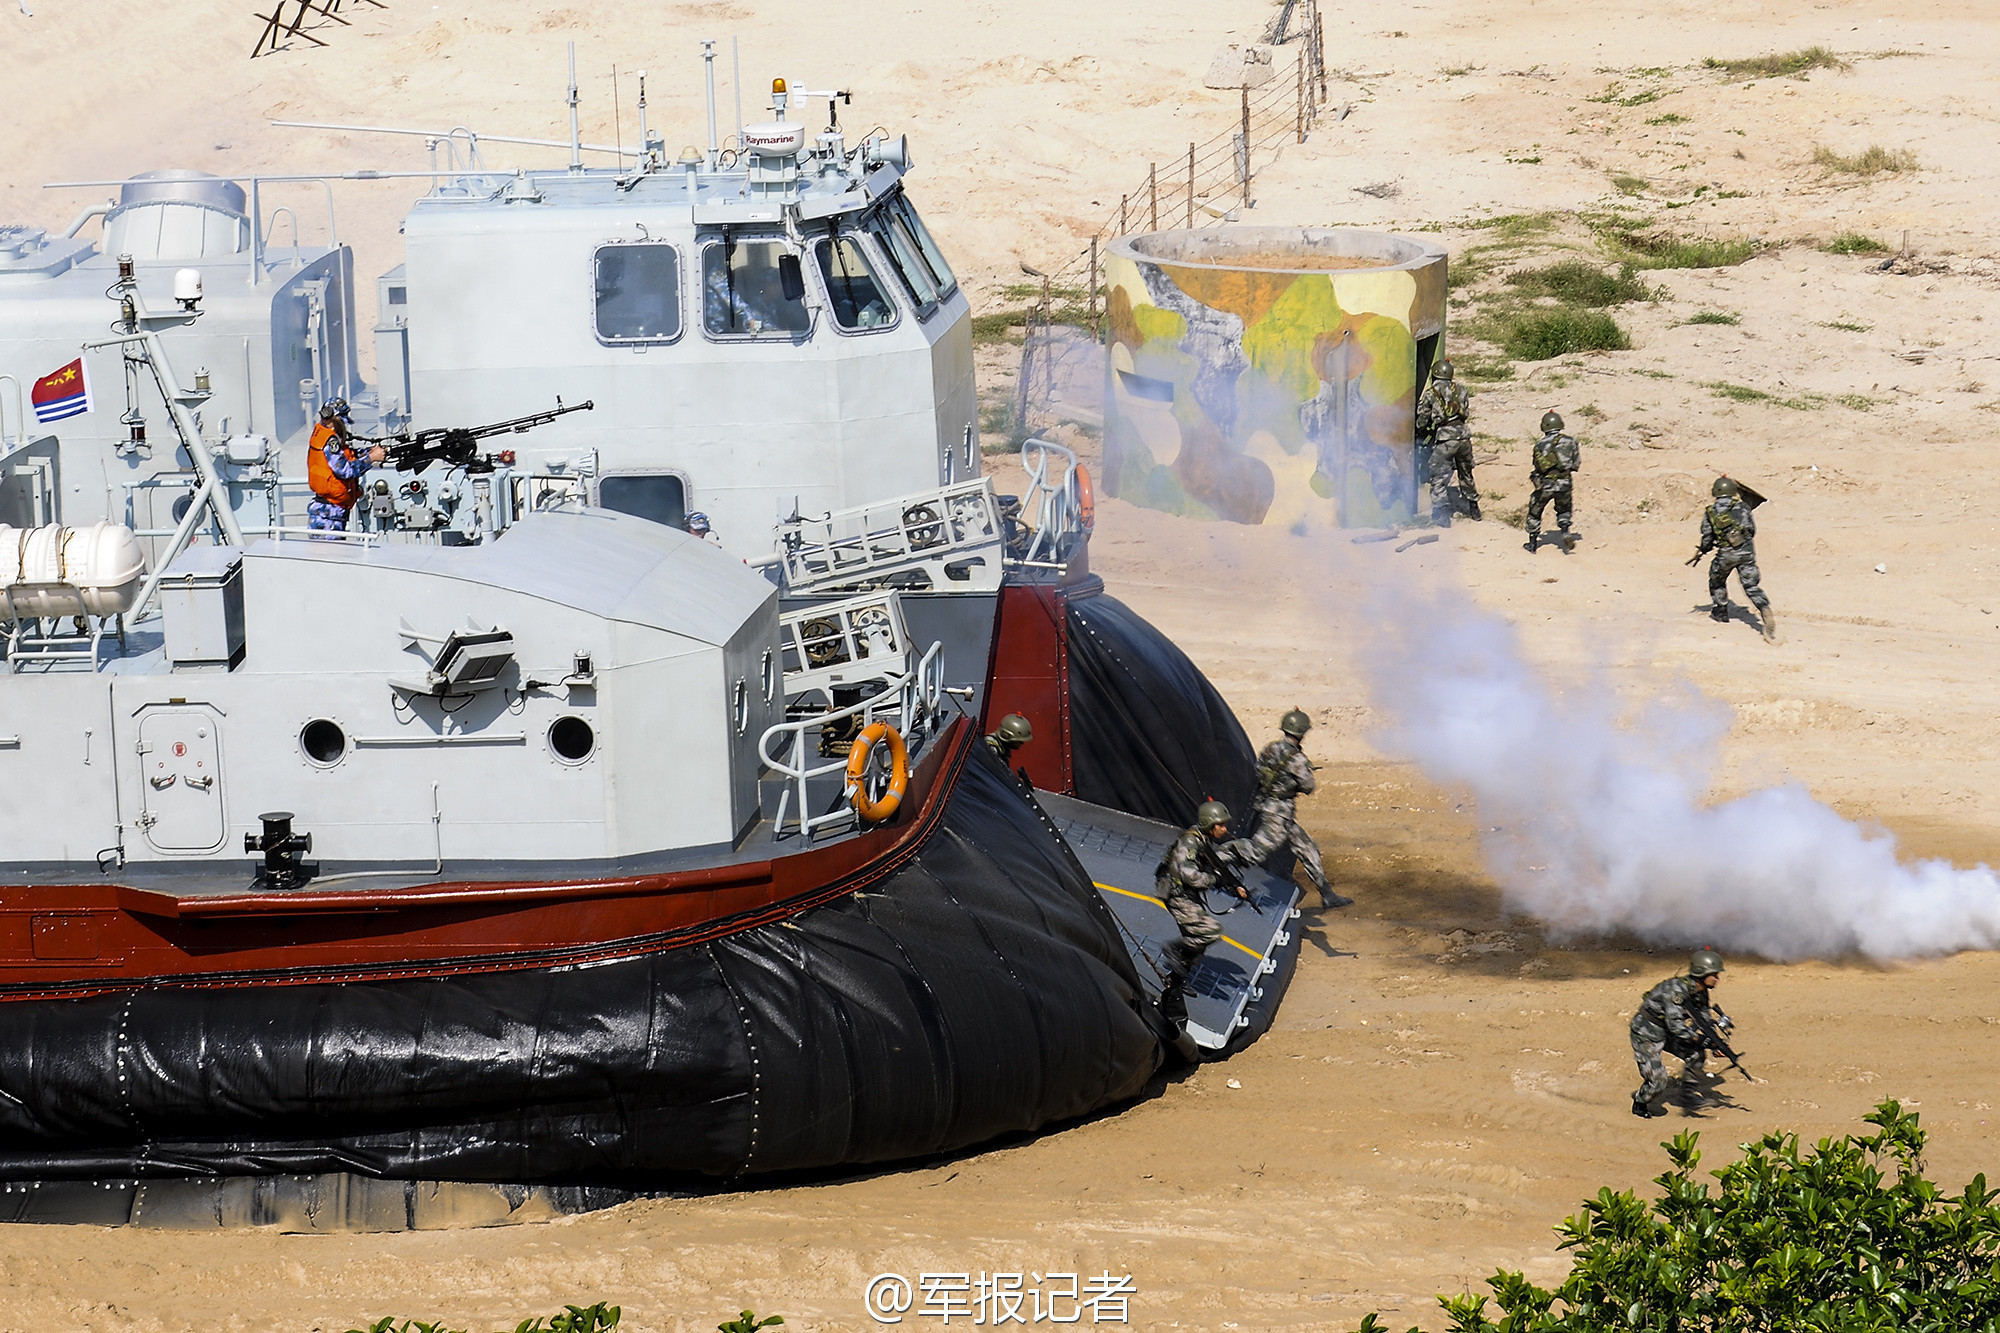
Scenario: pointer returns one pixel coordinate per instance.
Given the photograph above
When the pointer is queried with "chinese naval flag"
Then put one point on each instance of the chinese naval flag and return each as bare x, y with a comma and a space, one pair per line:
62, 393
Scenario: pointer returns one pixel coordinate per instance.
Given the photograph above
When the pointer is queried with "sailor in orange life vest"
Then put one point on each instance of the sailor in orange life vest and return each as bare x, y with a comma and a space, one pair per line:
334, 470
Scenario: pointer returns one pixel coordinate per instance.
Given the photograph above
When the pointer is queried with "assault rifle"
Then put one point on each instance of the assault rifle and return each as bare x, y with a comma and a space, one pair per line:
458, 446
1711, 1037
1231, 878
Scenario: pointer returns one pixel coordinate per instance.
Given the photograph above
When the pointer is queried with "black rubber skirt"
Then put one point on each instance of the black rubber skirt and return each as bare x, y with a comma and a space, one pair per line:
1148, 734
982, 990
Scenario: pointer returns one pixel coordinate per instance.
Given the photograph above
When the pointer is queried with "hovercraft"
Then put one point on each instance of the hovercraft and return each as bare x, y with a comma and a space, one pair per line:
514, 833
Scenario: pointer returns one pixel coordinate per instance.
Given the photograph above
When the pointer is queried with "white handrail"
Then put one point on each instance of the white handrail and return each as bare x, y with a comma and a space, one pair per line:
1058, 516
915, 698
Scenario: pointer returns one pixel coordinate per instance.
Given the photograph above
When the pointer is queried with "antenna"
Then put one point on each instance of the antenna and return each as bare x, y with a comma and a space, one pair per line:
708, 64
736, 84
645, 149
575, 135
618, 135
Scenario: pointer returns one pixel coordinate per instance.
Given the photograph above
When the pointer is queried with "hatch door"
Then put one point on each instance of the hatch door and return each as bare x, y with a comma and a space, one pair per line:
180, 779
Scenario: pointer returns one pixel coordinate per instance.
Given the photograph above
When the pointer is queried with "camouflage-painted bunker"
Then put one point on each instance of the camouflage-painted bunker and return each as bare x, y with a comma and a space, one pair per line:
1269, 374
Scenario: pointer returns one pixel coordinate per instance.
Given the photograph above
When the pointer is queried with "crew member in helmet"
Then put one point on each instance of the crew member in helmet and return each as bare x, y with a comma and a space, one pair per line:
1730, 530
1013, 732
698, 527
1557, 457
1283, 775
1671, 1019
334, 470
1192, 866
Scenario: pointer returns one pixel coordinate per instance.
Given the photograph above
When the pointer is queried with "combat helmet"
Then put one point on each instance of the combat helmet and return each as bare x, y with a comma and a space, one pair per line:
1295, 724
1725, 487
1210, 814
1015, 730
1442, 370
1705, 963
1551, 420
334, 407
698, 523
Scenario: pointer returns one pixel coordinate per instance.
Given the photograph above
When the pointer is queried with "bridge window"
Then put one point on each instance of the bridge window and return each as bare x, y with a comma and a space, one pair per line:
638, 293
940, 272
858, 299
658, 496
901, 247
753, 289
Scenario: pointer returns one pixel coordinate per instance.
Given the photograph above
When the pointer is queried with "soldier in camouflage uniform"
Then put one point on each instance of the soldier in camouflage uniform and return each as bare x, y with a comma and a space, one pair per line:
1283, 775
1667, 1021
1729, 530
1557, 458
1192, 866
1441, 420
1013, 732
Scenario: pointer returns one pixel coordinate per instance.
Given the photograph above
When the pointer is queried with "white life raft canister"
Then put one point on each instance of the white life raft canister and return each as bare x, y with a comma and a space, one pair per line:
59, 571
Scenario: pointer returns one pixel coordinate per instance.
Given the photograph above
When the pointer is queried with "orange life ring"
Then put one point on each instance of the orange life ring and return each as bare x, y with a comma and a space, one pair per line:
1086, 502
869, 808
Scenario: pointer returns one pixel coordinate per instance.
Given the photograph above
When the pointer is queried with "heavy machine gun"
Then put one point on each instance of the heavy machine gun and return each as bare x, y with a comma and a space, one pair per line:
458, 446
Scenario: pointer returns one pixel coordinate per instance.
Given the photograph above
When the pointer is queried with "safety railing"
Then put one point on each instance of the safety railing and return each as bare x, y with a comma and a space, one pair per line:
910, 702
945, 538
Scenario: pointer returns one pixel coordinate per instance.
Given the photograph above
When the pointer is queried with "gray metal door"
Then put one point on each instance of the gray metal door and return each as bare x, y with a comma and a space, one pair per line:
180, 779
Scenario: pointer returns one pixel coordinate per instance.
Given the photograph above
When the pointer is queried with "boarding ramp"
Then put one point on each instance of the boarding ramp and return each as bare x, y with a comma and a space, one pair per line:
1235, 988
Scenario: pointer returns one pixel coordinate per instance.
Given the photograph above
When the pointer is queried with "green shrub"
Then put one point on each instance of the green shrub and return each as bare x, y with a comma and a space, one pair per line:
1671, 118
1847, 1236
1626, 183
1714, 317
1854, 243
1538, 335
1872, 162
599, 1318
1575, 282
1792, 63
1666, 250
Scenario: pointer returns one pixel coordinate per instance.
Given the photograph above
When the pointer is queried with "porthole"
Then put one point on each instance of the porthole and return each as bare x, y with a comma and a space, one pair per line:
739, 705
571, 739
770, 670
323, 742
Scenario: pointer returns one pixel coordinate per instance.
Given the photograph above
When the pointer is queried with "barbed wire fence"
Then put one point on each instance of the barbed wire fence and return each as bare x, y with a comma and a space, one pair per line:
277, 32
1209, 185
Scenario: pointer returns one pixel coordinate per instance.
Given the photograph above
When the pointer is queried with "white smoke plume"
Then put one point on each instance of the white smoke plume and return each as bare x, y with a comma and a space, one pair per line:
1595, 826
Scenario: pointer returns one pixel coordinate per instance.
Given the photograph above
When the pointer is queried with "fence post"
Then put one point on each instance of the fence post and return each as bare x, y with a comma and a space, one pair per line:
1153, 192
1093, 287
1301, 90
1319, 53
1122, 200
1190, 210
1244, 168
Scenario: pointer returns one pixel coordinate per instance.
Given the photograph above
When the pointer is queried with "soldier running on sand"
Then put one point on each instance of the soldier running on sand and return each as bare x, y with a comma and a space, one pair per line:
1729, 529
1283, 775
1670, 1020
1557, 458
1441, 420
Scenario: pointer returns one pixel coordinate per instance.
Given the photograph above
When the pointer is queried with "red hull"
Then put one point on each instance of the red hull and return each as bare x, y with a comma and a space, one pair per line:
65, 940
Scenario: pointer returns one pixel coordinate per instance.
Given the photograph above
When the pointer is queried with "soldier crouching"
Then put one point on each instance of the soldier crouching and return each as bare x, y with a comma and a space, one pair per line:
1670, 1021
